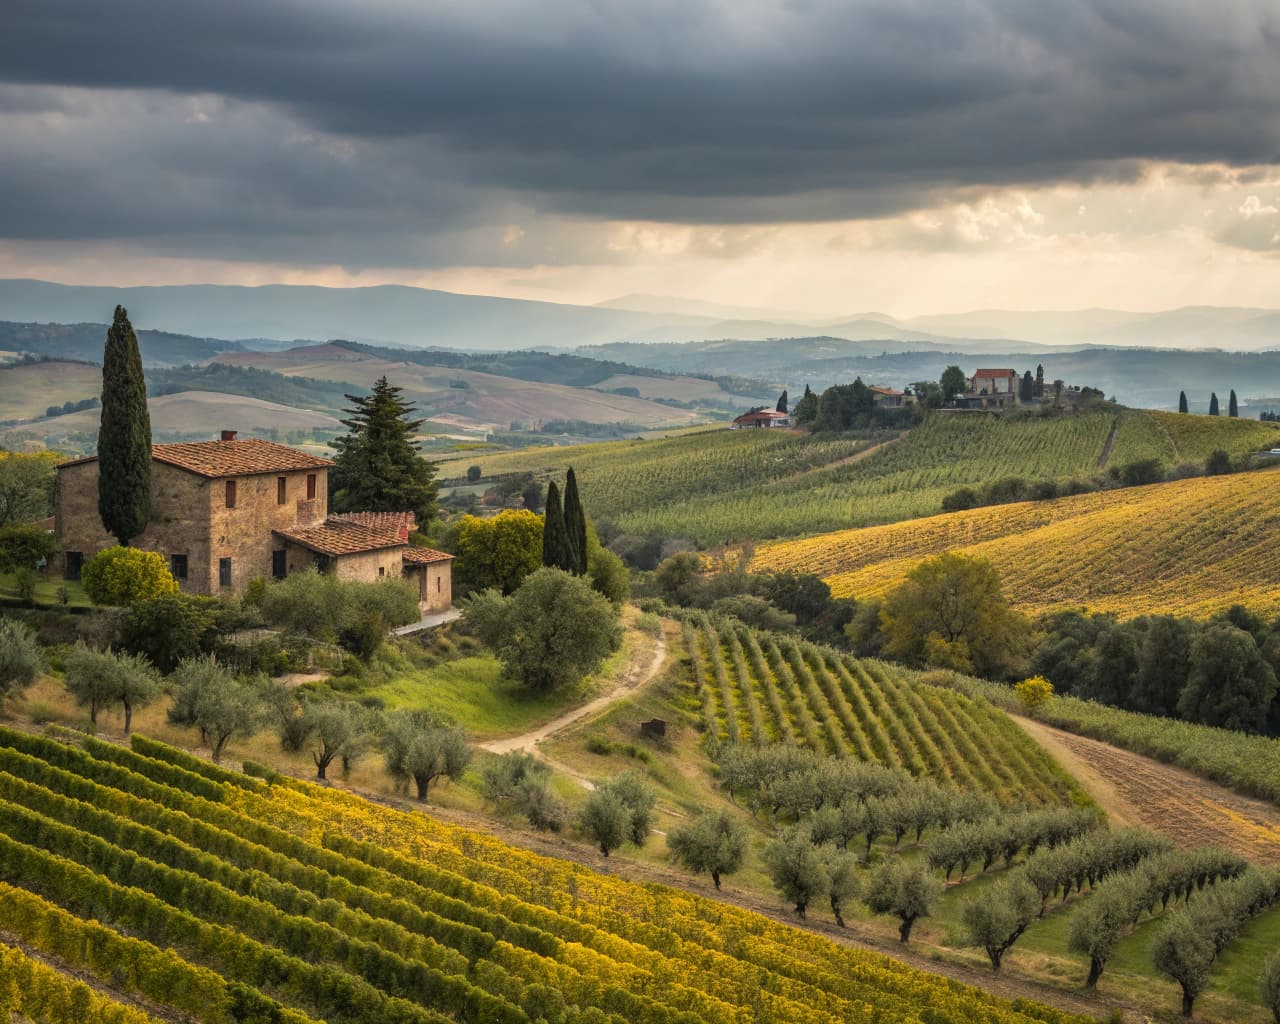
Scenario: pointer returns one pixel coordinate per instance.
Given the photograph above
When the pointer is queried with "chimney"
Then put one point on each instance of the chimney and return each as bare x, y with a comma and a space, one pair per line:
228, 435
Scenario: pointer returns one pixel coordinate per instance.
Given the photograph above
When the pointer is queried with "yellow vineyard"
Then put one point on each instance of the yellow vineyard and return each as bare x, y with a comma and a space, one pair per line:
1193, 547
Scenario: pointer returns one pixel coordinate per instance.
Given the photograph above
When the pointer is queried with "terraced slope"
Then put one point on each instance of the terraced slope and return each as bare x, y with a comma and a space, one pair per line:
755, 687
722, 486
1192, 547
217, 897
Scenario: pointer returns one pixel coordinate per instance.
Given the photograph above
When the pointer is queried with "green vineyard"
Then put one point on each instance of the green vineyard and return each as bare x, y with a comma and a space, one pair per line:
202, 894
716, 487
757, 688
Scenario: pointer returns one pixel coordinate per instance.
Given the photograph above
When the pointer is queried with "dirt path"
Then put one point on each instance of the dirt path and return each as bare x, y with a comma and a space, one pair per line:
1136, 790
858, 456
638, 673
1105, 457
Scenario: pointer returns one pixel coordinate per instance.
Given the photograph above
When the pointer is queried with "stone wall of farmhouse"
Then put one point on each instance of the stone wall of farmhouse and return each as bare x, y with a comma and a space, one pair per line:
189, 516
436, 579
365, 565
179, 518
244, 533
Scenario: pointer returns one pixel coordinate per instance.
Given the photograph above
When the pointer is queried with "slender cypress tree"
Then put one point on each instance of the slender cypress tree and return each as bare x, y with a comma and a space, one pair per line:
1213, 404
1233, 407
782, 402
575, 524
1182, 401
124, 437
555, 538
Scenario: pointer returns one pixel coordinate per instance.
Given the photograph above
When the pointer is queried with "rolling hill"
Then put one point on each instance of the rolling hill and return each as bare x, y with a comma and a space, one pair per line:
464, 397
1191, 547
204, 413
743, 486
181, 890
28, 389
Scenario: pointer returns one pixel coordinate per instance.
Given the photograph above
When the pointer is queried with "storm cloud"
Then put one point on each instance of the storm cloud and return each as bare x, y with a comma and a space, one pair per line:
398, 132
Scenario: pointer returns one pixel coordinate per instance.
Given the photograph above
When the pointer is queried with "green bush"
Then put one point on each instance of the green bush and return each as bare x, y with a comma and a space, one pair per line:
125, 576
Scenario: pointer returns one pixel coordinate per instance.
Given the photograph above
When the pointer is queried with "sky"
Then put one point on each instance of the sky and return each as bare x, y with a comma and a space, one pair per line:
816, 157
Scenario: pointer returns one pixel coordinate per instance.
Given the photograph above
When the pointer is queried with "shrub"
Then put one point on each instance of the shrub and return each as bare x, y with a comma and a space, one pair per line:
605, 820
169, 628
20, 658
125, 576
21, 547
421, 748
1033, 692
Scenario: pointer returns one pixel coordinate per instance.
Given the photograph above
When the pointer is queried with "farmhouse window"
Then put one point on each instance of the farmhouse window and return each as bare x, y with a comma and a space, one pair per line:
311, 487
178, 566
280, 563
382, 570
231, 494
224, 572
282, 488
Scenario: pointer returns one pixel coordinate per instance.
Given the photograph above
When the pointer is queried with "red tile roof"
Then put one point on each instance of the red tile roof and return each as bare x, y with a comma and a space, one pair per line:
762, 414
389, 520
340, 536
995, 373
229, 458
425, 556
886, 391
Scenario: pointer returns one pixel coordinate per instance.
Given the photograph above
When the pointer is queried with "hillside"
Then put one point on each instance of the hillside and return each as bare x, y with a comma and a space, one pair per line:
463, 397
744, 486
84, 341
323, 906
204, 413
28, 389
1191, 547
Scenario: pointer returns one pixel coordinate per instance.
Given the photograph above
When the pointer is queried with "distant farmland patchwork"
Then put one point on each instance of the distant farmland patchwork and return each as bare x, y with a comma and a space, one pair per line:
742, 486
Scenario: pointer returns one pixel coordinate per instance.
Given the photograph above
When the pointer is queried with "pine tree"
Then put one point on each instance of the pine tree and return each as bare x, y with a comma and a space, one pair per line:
378, 468
124, 437
575, 525
1182, 401
1213, 404
806, 408
1039, 392
1233, 407
782, 402
555, 537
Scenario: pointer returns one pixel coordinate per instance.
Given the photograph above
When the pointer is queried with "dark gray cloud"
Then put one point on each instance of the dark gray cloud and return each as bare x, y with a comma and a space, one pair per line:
404, 132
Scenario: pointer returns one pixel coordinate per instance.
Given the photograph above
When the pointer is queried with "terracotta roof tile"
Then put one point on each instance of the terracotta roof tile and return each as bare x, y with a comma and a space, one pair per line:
425, 556
996, 373
393, 520
340, 536
229, 458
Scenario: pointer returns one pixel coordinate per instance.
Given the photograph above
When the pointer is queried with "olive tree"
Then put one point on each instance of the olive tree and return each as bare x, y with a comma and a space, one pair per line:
798, 870
335, 729
554, 630
20, 658
713, 843
216, 701
907, 891
606, 820
100, 679
1184, 953
1270, 983
420, 747
997, 919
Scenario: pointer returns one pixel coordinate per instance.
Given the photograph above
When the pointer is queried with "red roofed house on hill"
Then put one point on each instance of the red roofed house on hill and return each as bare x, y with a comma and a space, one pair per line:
224, 512
990, 389
761, 418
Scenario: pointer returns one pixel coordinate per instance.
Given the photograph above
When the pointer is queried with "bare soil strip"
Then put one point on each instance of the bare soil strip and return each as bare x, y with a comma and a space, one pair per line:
1137, 790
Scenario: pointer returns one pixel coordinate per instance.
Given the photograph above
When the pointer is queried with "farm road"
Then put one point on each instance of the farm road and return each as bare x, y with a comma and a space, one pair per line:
1137, 790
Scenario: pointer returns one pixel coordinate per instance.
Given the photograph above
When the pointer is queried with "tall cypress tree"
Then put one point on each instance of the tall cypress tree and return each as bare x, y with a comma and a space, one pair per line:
1213, 404
1182, 401
1233, 407
575, 524
555, 539
124, 437
782, 402
378, 468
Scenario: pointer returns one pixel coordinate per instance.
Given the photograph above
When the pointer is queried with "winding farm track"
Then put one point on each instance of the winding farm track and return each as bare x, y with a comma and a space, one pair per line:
639, 672
1137, 790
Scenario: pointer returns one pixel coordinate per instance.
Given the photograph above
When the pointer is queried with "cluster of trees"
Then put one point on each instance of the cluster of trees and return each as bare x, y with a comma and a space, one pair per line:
69, 407
1233, 407
1130, 474
782, 601
1220, 672
951, 613
519, 781
847, 407
619, 810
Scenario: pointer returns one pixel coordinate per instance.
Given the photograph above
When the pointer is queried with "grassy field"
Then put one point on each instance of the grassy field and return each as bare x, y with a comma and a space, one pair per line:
28, 389
323, 906
1191, 547
46, 595
742, 486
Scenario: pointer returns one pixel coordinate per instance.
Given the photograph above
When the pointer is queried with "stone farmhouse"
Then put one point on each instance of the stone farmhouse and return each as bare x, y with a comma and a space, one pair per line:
990, 389
761, 418
224, 512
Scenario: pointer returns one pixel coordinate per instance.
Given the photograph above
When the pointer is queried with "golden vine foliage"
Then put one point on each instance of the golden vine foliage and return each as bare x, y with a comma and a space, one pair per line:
1193, 547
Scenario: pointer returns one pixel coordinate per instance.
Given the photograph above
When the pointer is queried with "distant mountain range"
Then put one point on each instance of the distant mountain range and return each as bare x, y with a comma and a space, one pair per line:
419, 317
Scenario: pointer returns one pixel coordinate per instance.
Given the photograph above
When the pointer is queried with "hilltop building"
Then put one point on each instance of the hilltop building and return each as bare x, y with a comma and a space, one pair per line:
990, 389
224, 512
761, 417
888, 398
